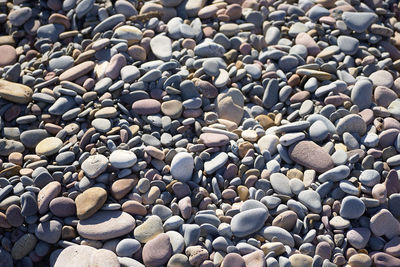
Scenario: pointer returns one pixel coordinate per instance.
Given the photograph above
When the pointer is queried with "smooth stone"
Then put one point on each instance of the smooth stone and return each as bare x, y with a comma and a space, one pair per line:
23, 246
382, 78
358, 237
15, 92
77, 71
178, 260
311, 155
351, 123
172, 109
19, 16
104, 257
272, 232
318, 131
127, 247
311, 200
300, 260
102, 125
49, 146
84, 7
248, 222
182, 166
348, 45
352, 207
216, 162
62, 207
10, 146
335, 174
361, 94
9, 55
384, 260
280, 184
161, 47
75, 255
148, 229
49, 231
146, 106
384, 96
106, 225
130, 33
383, 223
369, 177
359, 21
360, 260
122, 159
89, 202
31, 138
233, 260
157, 251
269, 143
5, 258
46, 195
94, 165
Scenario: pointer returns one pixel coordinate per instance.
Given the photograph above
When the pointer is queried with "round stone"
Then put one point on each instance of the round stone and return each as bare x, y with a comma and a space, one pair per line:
352, 208
182, 166
157, 251
49, 231
94, 165
9, 55
89, 202
49, 146
122, 159
62, 207
149, 229
127, 247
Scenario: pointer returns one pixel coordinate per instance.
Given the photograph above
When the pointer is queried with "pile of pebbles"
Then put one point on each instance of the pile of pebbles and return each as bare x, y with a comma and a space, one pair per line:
199, 133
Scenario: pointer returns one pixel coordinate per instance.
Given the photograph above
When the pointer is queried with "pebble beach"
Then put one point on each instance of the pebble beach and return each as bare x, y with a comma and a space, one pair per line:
179, 133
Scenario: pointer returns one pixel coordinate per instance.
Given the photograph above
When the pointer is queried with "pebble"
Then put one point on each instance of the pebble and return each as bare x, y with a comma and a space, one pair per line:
161, 47
182, 166
149, 229
122, 159
352, 208
248, 222
94, 165
106, 225
157, 251
89, 202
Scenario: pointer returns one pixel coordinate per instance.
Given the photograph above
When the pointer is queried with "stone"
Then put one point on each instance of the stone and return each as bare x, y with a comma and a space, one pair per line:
161, 47
146, 106
384, 224
311, 155
300, 260
46, 195
130, 33
94, 165
182, 166
358, 237
121, 187
89, 202
359, 21
23, 246
105, 225
77, 71
280, 184
351, 123
361, 94
348, 45
122, 159
127, 247
149, 229
311, 200
49, 146
248, 222
104, 257
382, 78
63, 207
9, 57
75, 255
15, 92
234, 260
352, 207
157, 251
272, 232
360, 260
49, 231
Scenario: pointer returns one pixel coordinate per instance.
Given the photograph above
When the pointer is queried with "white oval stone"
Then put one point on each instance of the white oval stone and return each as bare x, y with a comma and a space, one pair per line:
122, 159
182, 166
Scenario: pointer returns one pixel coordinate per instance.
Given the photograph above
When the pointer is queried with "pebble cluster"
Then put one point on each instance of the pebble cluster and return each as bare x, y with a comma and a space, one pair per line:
233, 133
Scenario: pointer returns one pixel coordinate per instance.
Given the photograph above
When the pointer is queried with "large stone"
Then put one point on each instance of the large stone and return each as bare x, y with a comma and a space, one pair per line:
15, 92
311, 155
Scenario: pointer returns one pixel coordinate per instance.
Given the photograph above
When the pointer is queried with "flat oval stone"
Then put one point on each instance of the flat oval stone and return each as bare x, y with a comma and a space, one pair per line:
248, 222
62, 207
283, 236
75, 256
94, 165
122, 159
311, 155
214, 139
161, 47
182, 166
46, 195
89, 202
106, 225
49, 146
24, 245
77, 71
9, 55
146, 106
